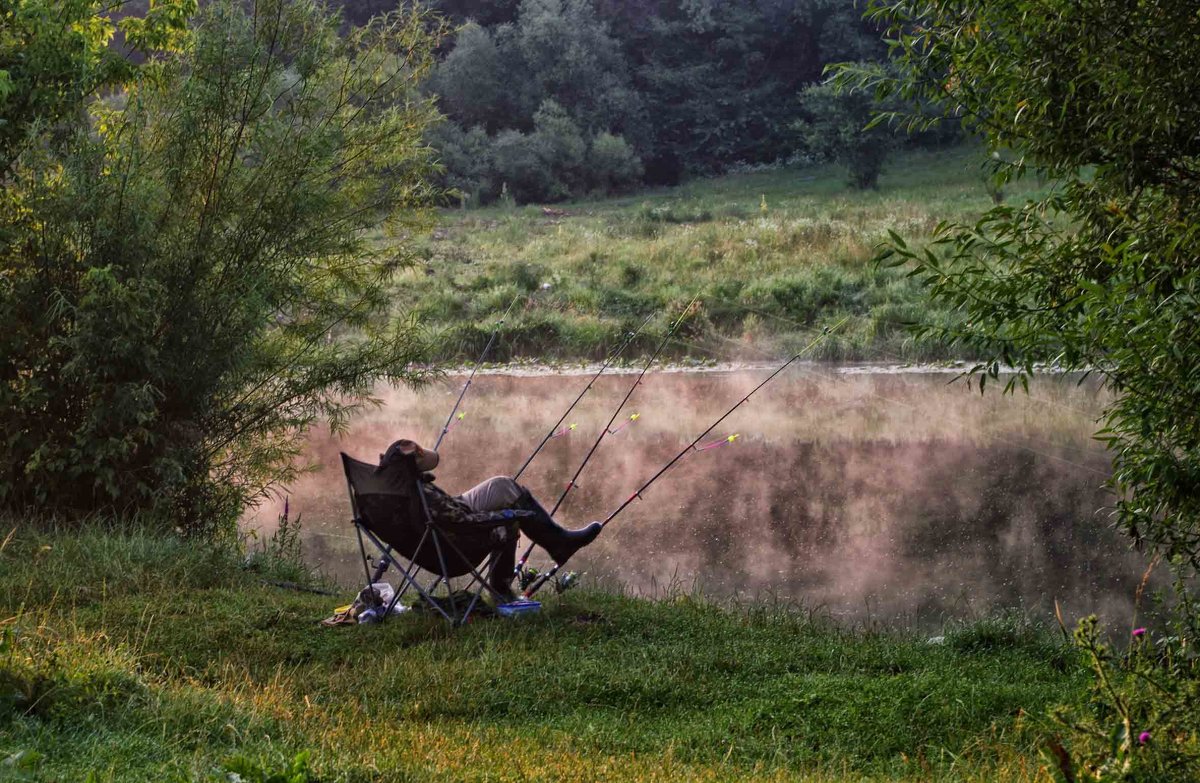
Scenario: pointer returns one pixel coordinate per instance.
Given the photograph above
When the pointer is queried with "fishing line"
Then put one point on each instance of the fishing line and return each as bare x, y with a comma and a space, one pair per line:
604, 431
739, 306
987, 436
692, 446
475, 369
995, 438
554, 429
543, 578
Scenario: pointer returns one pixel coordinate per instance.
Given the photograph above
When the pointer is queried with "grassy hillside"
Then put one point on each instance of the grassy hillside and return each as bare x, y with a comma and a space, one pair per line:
774, 256
131, 656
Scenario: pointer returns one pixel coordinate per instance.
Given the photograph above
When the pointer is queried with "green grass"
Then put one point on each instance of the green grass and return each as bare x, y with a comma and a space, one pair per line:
774, 256
137, 656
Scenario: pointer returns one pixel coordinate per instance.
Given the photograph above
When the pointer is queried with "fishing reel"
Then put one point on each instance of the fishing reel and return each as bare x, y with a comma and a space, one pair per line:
527, 576
566, 581
562, 582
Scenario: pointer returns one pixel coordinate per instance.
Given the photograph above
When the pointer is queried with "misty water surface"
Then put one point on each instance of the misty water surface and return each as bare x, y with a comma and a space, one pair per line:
894, 497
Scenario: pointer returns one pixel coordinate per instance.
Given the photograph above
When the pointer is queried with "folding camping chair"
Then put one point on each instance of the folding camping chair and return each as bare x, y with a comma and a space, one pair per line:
390, 511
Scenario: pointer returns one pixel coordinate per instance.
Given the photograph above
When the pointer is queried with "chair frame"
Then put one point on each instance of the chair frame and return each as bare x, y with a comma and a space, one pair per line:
434, 534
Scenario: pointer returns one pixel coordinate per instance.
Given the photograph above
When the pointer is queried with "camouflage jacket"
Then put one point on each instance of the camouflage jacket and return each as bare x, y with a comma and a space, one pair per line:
451, 510
448, 509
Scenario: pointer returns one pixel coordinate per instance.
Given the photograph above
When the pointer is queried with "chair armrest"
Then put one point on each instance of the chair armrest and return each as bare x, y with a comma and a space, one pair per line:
503, 516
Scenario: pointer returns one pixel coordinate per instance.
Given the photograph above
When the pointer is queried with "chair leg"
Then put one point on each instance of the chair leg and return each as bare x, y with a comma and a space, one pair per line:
499, 561
501, 577
362, 550
409, 575
489, 566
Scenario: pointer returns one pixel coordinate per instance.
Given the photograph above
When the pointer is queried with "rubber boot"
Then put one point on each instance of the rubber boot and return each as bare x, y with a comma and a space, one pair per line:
559, 542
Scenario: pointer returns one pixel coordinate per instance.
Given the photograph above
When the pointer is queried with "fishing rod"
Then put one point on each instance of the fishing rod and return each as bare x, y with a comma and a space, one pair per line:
543, 578
471, 377
612, 357
571, 484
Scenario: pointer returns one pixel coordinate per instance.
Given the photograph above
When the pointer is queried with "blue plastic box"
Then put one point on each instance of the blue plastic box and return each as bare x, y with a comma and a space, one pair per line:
519, 607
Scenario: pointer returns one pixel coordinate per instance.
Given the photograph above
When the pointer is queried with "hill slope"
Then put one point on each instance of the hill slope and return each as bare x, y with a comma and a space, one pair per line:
774, 256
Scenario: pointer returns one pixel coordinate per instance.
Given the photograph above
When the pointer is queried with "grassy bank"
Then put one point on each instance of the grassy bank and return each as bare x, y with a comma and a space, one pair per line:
140, 657
773, 255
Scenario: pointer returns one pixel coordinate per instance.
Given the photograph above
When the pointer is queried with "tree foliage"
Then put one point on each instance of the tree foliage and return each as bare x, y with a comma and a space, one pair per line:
1098, 275
841, 128
726, 78
187, 272
53, 55
689, 86
569, 58
470, 82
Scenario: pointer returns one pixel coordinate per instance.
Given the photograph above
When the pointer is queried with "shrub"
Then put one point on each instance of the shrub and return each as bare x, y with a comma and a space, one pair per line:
470, 169
546, 165
1140, 720
613, 167
560, 149
519, 168
838, 129
174, 271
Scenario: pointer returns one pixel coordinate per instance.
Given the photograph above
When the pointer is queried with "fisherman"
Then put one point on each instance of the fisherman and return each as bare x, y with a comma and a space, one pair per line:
496, 494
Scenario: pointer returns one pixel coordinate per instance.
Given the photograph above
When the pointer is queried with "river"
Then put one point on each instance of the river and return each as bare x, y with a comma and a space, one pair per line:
871, 495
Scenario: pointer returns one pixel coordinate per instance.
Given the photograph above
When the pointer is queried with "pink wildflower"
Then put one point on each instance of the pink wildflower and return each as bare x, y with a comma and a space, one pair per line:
1138, 632
1143, 738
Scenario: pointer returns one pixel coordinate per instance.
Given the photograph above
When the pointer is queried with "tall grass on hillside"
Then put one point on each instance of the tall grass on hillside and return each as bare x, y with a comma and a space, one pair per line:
774, 256
133, 656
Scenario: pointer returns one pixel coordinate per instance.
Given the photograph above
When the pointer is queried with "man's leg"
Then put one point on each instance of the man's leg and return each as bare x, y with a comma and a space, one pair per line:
502, 572
501, 492
558, 542
495, 494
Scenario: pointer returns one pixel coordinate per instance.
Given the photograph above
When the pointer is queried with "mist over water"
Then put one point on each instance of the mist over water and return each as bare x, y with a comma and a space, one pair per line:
900, 498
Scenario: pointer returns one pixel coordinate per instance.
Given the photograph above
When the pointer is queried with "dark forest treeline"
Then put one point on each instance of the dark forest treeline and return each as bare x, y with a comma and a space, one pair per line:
551, 99
548, 99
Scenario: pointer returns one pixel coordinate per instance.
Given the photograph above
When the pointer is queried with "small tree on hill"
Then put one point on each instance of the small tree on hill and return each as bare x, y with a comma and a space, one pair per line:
840, 128
560, 149
613, 167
